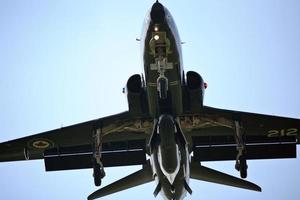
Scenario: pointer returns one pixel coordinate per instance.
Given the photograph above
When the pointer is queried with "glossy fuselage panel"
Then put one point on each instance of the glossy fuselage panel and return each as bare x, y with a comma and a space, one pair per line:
164, 24
169, 158
176, 190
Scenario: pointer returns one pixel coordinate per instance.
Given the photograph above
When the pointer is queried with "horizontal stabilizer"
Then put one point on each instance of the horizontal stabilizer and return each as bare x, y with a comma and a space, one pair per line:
206, 174
138, 178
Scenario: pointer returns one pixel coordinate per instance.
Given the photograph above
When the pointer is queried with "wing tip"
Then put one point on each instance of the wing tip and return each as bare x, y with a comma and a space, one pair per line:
258, 189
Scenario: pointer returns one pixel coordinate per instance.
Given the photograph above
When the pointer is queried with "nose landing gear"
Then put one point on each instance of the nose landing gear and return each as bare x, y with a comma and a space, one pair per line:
160, 48
162, 86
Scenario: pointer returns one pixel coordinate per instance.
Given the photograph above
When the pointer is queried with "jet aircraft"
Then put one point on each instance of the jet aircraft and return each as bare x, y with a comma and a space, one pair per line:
167, 121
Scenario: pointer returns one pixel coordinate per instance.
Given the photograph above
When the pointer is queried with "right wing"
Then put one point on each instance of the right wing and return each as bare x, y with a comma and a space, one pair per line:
123, 143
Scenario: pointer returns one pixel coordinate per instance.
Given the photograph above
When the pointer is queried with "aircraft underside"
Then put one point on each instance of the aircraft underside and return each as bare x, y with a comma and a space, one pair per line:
167, 121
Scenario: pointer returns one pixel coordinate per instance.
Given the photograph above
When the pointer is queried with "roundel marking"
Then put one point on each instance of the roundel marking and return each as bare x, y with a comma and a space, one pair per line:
41, 143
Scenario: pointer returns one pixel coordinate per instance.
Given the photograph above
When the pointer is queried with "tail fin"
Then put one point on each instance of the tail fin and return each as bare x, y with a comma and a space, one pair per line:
138, 178
206, 174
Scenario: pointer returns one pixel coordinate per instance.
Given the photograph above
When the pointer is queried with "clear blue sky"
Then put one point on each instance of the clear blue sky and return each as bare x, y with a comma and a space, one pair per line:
64, 62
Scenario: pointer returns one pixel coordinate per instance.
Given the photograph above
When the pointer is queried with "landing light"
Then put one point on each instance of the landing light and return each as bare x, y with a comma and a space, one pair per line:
156, 37
205, 85
155, 28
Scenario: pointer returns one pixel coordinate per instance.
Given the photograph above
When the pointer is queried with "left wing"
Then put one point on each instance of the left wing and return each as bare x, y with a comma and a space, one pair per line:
121, 134
212, 133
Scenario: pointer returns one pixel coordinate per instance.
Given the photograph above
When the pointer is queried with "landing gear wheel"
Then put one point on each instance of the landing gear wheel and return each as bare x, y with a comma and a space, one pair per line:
97, 174
163, 88
174, 197
243, 167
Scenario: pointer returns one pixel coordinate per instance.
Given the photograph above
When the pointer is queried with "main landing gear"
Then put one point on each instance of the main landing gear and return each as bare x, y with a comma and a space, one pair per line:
98, 169
241, 161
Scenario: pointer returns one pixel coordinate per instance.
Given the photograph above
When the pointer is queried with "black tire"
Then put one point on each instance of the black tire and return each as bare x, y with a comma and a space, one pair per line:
97, 174
163, 88
243, 167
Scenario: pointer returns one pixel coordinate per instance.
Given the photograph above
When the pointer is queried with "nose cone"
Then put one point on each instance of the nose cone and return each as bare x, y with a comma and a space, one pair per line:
157, 13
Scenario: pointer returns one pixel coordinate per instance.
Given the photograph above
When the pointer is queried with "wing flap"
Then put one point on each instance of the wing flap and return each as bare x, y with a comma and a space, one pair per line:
122, 153
248, 139
267, 151
84, 161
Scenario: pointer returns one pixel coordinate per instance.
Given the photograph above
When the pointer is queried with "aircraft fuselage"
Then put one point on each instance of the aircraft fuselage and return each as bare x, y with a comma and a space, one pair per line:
161, 43
164, 78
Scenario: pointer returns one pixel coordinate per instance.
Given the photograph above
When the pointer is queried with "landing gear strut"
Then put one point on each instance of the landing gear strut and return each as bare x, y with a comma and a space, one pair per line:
162, 87
162, 81
98, 168
241, 162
